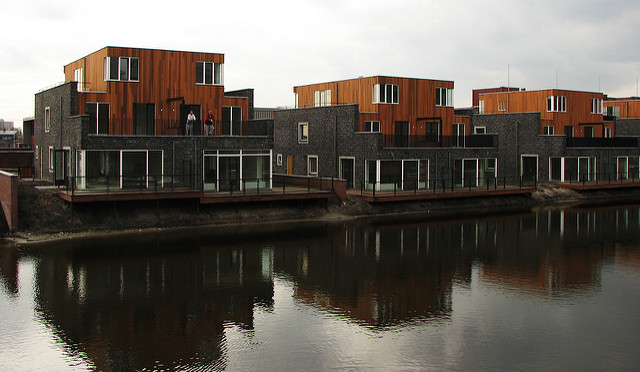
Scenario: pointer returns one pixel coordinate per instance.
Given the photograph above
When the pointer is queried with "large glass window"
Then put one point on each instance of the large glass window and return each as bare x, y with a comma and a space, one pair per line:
231, 121
597, 106
322, 98
236, 170
98, 116
112, 169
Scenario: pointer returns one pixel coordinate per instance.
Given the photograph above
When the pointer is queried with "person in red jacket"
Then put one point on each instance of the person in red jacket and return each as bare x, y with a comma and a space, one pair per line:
208, 124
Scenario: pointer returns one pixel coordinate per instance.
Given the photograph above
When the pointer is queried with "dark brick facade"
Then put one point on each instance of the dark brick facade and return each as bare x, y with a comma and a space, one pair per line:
73, 132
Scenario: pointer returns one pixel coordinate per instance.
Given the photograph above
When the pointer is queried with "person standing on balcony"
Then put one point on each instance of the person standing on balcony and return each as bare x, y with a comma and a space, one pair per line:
208, 124
191, 119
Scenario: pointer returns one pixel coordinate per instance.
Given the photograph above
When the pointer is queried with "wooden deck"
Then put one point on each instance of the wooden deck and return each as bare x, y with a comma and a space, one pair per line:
386, 197
292, 193
600, 185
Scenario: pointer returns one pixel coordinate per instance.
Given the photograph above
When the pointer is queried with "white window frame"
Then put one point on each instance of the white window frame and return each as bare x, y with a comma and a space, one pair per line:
597, 106
607, 132
386, 93
481, 106
502, 106
479, 129
215, 66
444, 97
322, 98
556, 104
310, 160
47, 119
121, 61
373, 126
303, 132
279, 159
78, 76
52, 155
296, 100
549, 130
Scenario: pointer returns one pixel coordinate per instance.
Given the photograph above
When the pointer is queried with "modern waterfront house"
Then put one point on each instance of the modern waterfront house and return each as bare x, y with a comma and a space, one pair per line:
118, 121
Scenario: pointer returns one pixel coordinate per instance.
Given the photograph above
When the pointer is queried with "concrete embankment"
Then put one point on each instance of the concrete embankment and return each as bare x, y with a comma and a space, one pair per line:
43, 213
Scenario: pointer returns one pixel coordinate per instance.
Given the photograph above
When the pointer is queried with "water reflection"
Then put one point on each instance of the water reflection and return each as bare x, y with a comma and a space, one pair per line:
165, 300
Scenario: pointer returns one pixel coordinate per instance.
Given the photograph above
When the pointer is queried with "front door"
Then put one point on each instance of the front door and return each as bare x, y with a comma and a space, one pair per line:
229, 173
529, 168
60, 168
402, 134
347, 171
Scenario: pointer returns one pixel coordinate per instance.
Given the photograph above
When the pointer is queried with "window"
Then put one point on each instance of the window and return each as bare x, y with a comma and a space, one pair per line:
98, 116
597, 106
52, 158
303, 132
78, 76
121, 69
385, 93
613, 111
568, 131
47, 119
371, 126
479, 129
548, 130
481, 107
312, 165
322, 98
209, 73
607, 132
144, 119
556, 104
296, 100
279, 159
444, 97
502, 106
231, 121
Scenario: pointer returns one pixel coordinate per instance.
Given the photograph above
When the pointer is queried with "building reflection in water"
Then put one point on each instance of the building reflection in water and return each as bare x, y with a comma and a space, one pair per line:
160, 300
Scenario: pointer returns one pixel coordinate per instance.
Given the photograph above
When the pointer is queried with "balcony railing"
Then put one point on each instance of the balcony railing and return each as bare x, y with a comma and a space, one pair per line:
190, 181
171, 127
429, 141
602, 142
445, 185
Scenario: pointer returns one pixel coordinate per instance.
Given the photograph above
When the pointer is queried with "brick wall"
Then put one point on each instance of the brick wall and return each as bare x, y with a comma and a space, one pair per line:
9, 198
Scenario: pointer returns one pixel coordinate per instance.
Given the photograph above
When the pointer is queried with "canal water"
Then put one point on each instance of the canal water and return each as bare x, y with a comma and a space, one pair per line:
548, 290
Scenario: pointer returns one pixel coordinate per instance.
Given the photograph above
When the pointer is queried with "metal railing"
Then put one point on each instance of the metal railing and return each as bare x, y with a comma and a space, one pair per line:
429, 141
602, 142
601, 178
190, 181
173, 127
446, 185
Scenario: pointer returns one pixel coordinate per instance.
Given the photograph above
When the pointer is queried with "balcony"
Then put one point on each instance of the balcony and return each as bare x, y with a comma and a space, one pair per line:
172, 127
430, 141
602, 142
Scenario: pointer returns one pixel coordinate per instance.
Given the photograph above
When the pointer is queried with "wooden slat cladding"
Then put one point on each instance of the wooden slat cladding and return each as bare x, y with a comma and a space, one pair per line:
166, 79
416, 101
578, 109
628, 108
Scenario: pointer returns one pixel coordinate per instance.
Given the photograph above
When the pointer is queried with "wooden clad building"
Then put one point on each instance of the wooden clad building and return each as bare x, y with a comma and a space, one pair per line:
391, 105
129, 91
623, 108
562, 112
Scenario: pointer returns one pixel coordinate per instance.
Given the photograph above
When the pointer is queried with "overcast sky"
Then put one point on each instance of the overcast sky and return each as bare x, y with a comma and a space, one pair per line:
272, 46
